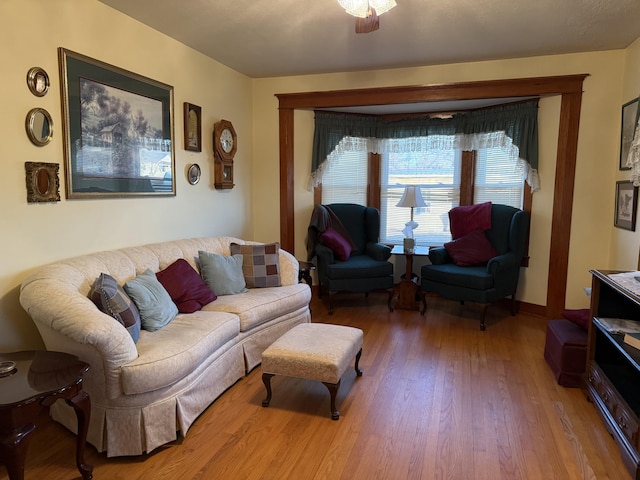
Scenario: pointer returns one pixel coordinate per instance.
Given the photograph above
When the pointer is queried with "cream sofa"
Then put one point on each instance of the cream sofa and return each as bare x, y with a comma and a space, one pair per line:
144, 393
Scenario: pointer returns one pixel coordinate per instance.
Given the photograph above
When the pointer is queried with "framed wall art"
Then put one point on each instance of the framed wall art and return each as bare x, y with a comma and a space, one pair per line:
118, 131
626, 205
192, 127
629, 120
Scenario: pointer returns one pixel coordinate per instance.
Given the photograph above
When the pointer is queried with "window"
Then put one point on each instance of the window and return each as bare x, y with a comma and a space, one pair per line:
447, 178
497, 179
346, 179
437, 173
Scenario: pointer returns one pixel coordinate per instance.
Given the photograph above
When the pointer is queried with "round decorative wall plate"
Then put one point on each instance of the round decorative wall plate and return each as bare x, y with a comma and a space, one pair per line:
193, 174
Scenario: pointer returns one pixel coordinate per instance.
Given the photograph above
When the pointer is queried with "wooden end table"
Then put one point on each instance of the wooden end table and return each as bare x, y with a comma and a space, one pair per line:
37, 381
405, 292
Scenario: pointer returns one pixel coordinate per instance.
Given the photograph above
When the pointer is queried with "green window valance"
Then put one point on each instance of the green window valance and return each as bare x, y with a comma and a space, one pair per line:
514, 126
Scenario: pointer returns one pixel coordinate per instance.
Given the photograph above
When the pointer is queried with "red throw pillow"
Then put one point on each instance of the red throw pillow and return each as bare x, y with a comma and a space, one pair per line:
581, 317
472, 249
466, 219
186, 288
336, 242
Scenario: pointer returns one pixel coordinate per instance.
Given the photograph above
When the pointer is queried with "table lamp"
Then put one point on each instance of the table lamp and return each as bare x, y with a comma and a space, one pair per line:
411, 198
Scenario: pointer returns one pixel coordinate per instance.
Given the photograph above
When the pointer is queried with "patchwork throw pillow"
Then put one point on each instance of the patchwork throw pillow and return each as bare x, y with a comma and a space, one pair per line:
223, 273
472, 249
154, 303
111, 299
467, 218
185, 286
336, 242
260, 264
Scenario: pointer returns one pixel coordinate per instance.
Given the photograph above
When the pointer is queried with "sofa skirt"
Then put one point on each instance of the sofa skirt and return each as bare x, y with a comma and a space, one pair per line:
132, 430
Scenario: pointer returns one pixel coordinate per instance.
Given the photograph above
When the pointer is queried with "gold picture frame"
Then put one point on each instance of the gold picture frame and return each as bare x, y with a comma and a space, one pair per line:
43, 183
192, 127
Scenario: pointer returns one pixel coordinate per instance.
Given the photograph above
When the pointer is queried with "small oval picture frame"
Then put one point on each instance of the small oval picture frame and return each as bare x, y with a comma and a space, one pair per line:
193, 174
39, 126
38, 81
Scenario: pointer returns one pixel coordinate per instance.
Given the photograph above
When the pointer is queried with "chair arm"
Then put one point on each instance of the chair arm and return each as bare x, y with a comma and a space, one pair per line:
378, 251
325, 255
501, 262
439, 256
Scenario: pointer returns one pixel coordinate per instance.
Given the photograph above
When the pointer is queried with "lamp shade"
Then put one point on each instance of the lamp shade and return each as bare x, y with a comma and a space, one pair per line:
412, 197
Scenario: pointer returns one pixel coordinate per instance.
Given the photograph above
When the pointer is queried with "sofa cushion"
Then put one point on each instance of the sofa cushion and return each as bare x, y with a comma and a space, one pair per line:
185, 287
341, 247
467, 218
223, 273
472, 249
259, 305
260, 264
154, 303
111, 299
170, 354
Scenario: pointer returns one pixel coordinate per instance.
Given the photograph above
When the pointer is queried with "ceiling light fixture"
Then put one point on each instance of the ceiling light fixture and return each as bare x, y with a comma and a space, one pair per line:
366, 12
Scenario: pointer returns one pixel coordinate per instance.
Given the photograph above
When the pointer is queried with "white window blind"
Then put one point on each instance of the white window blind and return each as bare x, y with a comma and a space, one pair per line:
437, 173
345, 180
497, 178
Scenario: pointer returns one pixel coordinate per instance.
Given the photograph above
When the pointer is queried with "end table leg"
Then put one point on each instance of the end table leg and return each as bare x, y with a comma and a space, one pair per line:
358, 371
266, 379
81, 404
13, 450
333, 391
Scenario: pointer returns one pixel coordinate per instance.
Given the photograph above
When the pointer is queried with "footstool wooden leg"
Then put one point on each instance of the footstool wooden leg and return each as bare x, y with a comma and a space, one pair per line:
266, 379
333, 391
358, 371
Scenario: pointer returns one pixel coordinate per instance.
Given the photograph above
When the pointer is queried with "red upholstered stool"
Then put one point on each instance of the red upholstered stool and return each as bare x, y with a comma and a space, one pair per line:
565, 351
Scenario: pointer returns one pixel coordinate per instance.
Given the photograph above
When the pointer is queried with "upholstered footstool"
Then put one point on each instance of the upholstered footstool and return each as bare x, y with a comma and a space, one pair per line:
315, 351
565, 351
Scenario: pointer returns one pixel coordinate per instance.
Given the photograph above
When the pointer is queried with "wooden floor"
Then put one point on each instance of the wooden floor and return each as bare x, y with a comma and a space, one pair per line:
439, 399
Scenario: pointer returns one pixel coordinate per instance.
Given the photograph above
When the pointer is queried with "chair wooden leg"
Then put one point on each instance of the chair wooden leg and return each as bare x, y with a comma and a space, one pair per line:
514, 305
390, 300
331, 295
483, 327
423, 298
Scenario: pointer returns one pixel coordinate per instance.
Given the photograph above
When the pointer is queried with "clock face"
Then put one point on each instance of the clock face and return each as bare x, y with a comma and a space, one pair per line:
226, 140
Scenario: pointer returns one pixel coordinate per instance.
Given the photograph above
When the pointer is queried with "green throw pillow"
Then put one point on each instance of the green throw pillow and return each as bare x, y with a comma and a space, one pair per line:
152, 299
223, 273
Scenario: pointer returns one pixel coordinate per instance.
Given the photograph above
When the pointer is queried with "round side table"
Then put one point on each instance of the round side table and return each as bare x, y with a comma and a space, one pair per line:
38, 379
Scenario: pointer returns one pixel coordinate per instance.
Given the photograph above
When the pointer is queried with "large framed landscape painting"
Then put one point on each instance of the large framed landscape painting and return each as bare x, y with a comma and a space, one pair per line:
118, 131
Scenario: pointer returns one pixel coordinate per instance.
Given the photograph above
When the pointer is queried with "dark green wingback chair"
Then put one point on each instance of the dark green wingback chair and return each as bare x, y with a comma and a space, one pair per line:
367, 268
485, 283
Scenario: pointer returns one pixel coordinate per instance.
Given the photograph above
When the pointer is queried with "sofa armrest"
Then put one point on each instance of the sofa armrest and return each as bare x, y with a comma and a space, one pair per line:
289, 268
439, 256
378, 251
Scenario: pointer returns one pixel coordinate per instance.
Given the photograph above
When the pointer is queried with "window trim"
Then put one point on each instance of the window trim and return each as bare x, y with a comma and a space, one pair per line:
569, 87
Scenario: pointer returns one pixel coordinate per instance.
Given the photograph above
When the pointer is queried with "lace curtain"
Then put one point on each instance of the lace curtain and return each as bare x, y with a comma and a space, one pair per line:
513, 127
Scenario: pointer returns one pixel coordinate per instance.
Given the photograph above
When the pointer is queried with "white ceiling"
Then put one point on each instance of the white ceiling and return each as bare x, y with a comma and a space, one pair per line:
267, 38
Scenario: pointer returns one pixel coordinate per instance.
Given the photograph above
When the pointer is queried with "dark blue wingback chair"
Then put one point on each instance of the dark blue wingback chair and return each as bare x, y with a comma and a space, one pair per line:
486, 283
367, 268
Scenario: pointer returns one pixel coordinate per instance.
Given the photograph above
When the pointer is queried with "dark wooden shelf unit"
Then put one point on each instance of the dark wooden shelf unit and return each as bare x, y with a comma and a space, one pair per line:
612, 380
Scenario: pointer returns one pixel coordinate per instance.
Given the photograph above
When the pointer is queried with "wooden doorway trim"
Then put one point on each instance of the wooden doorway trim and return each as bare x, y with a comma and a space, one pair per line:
568, 86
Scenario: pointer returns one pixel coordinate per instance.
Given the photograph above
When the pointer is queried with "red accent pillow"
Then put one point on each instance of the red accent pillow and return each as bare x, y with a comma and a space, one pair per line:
466, 219
472, 249
336, 242
186, 288
581, 317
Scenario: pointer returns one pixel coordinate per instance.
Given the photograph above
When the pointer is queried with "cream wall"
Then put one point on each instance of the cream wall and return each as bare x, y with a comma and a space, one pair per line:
35, 234
625, 244
595, 170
